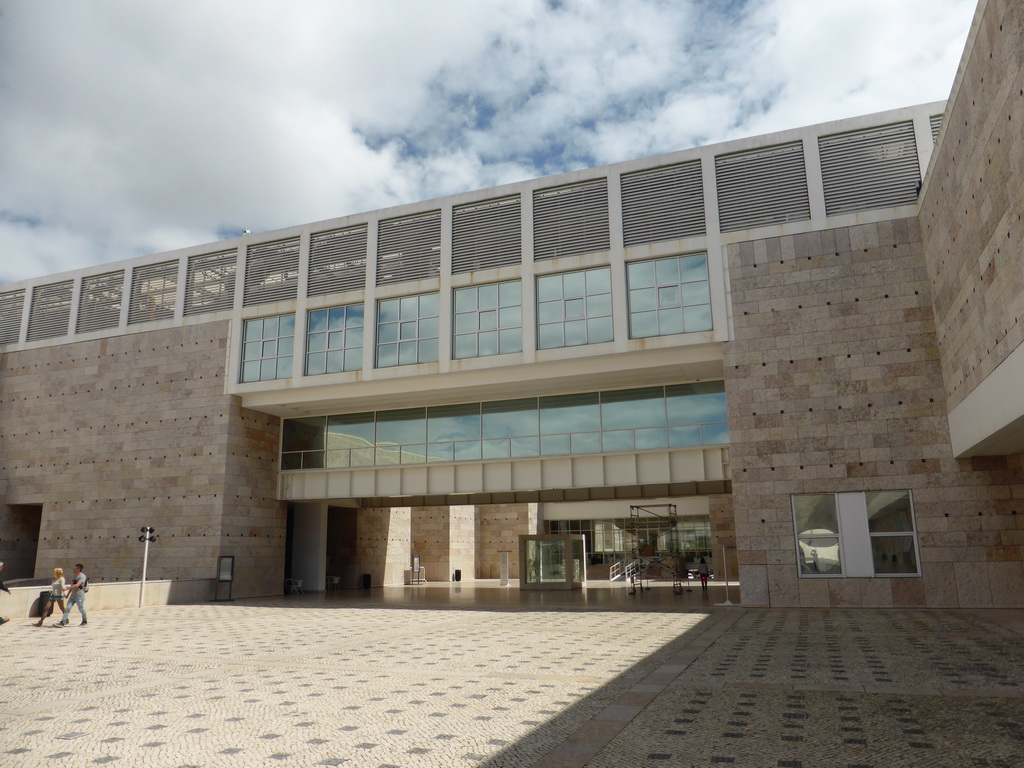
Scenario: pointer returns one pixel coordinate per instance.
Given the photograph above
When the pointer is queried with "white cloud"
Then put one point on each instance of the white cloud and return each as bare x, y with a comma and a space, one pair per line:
131, 128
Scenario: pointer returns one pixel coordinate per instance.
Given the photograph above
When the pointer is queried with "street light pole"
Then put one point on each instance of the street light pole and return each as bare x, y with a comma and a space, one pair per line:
148, 535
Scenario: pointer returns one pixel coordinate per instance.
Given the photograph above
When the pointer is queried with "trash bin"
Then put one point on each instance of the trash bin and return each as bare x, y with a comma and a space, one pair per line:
366, 581
43, 597
458, 574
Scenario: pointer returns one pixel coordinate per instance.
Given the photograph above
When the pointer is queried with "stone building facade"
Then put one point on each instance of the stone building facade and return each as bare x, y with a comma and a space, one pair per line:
806, 345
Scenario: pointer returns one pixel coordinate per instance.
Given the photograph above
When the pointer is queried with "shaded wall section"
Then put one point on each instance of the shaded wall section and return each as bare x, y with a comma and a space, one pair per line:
971, 211
132, 430
834, 385
342, 561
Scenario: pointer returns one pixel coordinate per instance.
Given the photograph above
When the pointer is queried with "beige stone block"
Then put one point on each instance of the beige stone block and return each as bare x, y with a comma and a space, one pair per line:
876, 593
972, 585
844, 593
814, 593
1006, 584
753, 585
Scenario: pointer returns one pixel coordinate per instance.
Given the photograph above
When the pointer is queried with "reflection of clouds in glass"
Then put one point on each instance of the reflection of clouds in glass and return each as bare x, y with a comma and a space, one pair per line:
554, 425
696, 403
510, 418
453, 422
350, 431
405, 426
569, 413
633, 409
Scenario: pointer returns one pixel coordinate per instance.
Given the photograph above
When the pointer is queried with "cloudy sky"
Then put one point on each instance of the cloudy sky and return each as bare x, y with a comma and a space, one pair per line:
129, 128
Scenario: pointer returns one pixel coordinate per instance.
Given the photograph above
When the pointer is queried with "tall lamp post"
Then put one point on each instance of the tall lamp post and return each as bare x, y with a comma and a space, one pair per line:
148, 535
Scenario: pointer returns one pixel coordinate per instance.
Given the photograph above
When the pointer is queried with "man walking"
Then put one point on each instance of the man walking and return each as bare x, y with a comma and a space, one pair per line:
76, 596
5, 589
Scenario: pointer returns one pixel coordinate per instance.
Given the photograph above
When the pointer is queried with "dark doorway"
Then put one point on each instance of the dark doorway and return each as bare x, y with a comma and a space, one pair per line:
342, 562
19, 539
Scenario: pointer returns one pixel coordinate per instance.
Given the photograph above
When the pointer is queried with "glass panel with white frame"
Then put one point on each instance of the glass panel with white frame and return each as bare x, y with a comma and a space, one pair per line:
407, 330
893, 537
488, 320
817, 527
334, 340
837, 534
574, 308
267, 346
669, 295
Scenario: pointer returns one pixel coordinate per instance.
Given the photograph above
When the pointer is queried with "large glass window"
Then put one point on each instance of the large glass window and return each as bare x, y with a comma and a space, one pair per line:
608, 541
669, 295
570, 424
488, 320
574, 308
267, 345
453, 432
351, 440
510, 429
407, 330
893, 538
856, 534
306, 439
591, 422
401, 436
817, 526
334, 340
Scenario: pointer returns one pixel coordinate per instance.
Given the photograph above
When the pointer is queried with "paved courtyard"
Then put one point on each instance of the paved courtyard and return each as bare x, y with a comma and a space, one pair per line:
461, 676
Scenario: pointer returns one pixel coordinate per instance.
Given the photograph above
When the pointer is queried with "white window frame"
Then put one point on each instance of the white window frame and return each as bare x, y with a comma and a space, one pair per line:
854, 538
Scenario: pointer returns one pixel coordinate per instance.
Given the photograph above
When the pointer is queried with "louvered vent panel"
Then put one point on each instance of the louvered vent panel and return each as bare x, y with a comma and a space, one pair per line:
210, 282
662, 204
337, 261
12, 304
762, 187
570, 220
936, 121
50, 312
409, 248
872, 168
153, 292
487, 234
271, 272
99, 305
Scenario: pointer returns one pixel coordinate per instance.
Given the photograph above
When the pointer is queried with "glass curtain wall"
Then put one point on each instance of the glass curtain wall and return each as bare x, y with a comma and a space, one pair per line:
611, 540
674, 416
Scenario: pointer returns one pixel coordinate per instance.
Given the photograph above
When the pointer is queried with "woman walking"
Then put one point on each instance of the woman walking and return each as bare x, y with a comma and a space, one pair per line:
703, 570
56, 596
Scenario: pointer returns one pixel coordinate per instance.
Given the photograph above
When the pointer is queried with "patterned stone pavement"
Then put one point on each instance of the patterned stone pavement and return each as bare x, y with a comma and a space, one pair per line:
491, 678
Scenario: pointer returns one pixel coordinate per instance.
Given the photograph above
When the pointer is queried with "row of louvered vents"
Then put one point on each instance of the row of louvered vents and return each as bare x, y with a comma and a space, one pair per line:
872, 168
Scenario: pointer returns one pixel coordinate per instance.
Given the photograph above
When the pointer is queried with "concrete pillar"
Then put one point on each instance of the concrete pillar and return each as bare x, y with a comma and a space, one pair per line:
384, 543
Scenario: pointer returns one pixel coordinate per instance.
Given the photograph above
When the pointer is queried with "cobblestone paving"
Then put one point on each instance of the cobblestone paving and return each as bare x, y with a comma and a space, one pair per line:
271, 684
864, 689
315, 682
